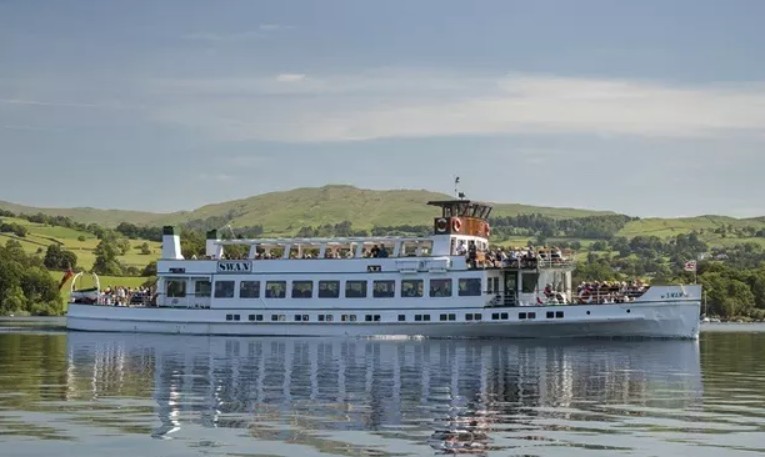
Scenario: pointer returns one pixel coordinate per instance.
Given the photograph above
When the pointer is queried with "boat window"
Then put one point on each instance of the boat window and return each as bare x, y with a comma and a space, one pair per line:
440, 287
329, 289
384, 289
470, 287
302, 289
402, 317
249, 289
276, 289
176, 288
511, 282
529, 282
224, 289
355, 289
202, 288
412, 288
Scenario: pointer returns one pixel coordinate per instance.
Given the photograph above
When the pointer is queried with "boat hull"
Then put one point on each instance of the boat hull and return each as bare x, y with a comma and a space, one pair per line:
671, 319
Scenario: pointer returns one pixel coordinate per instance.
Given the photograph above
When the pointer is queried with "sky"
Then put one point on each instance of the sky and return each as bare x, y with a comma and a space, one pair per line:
650, 108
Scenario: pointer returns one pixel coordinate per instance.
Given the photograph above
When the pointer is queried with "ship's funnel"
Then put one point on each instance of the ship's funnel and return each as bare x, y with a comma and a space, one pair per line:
171, 243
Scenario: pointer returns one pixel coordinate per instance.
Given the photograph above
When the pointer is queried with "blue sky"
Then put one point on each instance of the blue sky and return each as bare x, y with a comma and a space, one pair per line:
651, 108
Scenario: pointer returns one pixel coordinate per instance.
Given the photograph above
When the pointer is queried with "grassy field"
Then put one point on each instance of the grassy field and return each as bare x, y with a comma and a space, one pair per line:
83, 244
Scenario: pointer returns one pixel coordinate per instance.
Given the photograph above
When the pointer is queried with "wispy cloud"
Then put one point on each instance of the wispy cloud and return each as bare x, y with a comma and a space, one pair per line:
261, 31
16, 101
30, 128
67, 104
290, 77
406, 104
216, 177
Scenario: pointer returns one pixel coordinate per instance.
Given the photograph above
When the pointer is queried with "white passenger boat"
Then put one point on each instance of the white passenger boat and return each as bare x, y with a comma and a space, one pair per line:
441, 285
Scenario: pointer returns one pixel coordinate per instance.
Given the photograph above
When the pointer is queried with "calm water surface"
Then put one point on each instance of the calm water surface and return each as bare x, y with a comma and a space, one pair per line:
89, 394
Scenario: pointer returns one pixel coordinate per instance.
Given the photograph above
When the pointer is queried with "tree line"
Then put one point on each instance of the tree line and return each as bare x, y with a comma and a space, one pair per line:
732, 275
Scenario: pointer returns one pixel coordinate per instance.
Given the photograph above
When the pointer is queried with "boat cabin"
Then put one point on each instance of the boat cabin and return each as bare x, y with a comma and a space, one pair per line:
462, 217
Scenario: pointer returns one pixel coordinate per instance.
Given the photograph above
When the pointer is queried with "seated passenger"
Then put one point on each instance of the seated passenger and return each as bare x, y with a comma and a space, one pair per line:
375, 251
383, 252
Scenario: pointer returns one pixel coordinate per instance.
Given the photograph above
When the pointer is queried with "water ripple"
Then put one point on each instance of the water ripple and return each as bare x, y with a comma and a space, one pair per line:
86, 393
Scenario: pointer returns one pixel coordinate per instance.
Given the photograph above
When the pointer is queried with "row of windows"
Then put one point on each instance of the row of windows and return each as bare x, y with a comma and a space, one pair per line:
401, 317
409, 288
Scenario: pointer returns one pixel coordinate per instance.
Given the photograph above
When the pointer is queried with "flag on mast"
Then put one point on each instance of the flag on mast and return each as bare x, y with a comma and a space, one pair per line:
68, 274
690, 266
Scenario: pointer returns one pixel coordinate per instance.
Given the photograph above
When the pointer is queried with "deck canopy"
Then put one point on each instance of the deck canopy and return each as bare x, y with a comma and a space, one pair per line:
463, 208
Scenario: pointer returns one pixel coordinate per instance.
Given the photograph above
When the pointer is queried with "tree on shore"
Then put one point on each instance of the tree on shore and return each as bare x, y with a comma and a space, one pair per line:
25, 284
59, 259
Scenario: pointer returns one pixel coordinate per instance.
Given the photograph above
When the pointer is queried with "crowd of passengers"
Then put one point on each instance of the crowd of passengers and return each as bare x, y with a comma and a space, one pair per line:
603, 292
375, 251
528, 257
124, 296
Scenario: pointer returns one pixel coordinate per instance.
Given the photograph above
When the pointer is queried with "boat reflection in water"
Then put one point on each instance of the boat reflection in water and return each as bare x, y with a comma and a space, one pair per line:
457, 396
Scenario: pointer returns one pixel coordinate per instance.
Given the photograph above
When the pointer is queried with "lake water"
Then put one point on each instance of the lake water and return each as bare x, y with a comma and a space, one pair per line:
86, 394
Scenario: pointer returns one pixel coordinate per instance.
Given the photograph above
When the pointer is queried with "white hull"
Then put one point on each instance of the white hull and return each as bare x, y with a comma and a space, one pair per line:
656, 319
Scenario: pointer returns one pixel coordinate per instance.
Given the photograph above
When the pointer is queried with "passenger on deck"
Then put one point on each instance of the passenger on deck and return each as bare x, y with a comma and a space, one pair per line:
472, 254
461, 248
383, 251
375, 251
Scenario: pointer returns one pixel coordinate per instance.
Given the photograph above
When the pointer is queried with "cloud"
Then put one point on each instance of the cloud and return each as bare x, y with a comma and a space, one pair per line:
15, 101
275, 27
31, 128
263, 30
394, 105
290, 77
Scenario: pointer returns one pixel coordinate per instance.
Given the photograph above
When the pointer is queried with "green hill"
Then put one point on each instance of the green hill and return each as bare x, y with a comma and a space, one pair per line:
286, 212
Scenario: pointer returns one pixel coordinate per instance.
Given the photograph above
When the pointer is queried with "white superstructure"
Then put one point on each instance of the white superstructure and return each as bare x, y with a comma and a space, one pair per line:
442, 285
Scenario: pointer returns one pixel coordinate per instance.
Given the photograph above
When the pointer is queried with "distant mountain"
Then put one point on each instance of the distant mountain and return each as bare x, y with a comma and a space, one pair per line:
288, 211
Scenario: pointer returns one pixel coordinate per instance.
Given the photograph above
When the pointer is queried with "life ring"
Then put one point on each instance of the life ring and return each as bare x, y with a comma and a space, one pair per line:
584, 296
456, 225
441, 225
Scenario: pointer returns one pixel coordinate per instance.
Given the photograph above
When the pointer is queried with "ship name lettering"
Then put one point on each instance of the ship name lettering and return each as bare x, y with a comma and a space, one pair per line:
234, 267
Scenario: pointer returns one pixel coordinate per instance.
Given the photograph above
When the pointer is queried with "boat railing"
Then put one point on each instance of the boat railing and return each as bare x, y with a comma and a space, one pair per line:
523, 264
608, 295
143, 300
593, 297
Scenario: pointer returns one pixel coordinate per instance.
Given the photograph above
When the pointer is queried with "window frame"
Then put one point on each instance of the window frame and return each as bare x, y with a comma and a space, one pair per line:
301, 283
269, 289
218, 291
418, 287
242, 289
468, 292
322, 293
450, 288
362, 293
390, 286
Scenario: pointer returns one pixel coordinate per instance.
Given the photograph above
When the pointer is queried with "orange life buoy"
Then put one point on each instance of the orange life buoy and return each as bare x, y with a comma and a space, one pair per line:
456, 225
441, 225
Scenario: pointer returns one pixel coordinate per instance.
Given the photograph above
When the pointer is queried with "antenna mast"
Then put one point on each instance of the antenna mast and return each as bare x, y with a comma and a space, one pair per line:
457, 193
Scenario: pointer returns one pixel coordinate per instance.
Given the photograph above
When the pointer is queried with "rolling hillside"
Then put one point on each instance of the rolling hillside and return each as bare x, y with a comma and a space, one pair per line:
83, 244
286, 212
